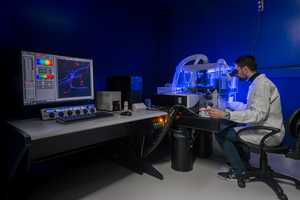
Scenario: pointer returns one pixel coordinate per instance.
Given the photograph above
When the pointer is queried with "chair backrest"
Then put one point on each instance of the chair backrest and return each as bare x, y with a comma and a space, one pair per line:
293, 124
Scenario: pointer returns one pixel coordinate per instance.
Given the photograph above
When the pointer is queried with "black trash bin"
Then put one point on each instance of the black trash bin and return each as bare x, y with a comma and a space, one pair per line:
182, 149
203, 144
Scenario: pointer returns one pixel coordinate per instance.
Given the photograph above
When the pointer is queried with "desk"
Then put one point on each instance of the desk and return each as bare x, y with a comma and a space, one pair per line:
33, 140
185, 143
202, 123
205, 125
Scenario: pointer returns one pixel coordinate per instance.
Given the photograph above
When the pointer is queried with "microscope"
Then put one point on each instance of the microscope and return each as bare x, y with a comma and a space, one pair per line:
198, 85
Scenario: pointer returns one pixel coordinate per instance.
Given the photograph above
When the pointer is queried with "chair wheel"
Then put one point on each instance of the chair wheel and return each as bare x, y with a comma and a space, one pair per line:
241, 184
282, 197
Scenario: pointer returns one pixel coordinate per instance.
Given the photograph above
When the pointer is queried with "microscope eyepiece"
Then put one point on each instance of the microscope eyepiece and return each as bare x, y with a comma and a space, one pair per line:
233, 73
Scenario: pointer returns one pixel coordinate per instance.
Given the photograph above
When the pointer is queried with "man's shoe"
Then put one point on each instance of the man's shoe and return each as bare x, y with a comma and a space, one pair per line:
228, 165
231, 176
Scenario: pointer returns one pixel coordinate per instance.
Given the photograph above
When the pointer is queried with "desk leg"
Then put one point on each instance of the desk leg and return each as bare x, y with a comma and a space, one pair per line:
17, 147
147, 168
25, 174
141, 131
131, 160
138, 165
124, 163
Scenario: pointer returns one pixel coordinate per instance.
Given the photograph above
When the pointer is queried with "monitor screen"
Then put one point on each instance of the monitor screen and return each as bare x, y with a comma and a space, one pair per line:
52, 78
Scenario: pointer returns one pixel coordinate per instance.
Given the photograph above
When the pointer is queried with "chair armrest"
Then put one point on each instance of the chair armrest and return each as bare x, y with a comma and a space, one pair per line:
261, 145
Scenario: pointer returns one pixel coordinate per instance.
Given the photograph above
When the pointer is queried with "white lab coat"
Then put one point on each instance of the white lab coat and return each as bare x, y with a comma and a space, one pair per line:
263, 108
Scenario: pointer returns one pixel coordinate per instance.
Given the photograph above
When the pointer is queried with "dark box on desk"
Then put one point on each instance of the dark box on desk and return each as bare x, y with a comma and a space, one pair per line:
131, 88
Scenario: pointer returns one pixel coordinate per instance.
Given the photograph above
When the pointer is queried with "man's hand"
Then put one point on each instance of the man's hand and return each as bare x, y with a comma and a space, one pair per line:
216, 114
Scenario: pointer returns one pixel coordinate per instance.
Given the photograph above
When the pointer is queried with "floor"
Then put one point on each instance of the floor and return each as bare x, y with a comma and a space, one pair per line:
106, 180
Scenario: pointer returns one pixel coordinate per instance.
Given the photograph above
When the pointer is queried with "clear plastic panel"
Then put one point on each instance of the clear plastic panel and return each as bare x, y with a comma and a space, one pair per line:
196, 75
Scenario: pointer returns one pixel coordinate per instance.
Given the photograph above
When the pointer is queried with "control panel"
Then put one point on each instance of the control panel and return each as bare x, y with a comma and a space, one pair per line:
158, 123
53, 113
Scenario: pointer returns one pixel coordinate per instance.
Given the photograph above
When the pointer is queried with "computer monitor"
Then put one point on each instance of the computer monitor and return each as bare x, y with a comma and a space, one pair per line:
53, 79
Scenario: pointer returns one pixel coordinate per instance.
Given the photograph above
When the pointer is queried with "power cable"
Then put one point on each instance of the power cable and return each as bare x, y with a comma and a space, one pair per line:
254, 44
256, 33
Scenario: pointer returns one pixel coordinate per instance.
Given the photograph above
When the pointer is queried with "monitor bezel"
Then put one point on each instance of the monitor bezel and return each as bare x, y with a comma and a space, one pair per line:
54, 103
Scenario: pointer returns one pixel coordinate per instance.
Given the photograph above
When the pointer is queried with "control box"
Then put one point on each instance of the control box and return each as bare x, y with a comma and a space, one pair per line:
167, 100
108, 100
131, 88
53, 113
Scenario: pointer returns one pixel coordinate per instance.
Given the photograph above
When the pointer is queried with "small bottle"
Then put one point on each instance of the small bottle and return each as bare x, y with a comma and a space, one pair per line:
125, 105
206, 113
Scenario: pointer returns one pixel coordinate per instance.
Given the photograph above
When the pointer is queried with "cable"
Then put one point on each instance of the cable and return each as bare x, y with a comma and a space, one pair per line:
253, 43
173, 112
186, 108
193, 138
240, 87
256, 33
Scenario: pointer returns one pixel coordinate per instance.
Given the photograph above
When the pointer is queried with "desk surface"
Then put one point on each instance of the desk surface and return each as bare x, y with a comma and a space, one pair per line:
38, 129
36, 140
206, 124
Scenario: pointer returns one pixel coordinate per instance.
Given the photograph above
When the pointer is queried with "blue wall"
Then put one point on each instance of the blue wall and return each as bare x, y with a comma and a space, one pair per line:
228, 29
120, 35
133, 37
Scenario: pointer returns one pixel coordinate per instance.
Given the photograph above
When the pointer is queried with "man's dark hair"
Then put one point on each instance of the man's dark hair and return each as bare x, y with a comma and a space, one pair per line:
246, 60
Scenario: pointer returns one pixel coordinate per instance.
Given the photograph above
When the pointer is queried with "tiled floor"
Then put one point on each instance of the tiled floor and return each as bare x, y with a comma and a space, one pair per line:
106, 180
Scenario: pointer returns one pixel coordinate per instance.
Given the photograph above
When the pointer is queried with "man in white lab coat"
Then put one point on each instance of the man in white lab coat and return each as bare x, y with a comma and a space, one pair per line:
263, 108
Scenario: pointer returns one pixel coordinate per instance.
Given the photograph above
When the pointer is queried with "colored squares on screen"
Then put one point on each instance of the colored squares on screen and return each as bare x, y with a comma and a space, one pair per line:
39, 76
43, 62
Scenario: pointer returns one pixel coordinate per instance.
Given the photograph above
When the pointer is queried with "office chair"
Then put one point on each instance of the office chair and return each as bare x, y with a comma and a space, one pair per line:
265, 171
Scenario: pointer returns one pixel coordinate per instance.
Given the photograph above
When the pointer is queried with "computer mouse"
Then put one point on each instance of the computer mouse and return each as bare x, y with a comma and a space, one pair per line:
127, 113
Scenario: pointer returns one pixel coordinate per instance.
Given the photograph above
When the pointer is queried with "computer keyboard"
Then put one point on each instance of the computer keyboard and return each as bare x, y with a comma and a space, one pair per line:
75, 118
